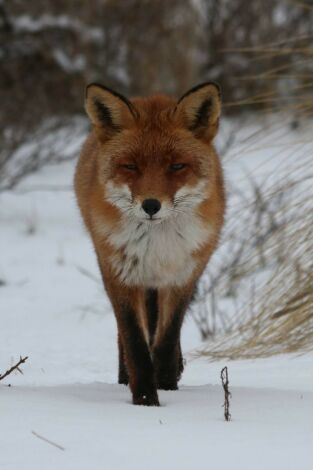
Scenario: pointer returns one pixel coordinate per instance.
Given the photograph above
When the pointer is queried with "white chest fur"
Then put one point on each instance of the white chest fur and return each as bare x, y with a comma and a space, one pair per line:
156, 255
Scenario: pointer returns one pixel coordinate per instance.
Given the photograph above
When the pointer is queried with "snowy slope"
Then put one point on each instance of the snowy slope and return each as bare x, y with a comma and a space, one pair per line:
53, 309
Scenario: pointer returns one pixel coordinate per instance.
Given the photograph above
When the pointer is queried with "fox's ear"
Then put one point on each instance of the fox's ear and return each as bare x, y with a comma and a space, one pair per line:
108, 109
200, 109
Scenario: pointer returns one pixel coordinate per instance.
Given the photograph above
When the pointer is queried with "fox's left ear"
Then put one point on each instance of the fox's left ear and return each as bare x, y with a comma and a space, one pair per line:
107, 109
200, 109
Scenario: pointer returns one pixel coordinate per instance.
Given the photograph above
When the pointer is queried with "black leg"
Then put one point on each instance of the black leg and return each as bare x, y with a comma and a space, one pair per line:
180, 362
138, 360
151, 300
167, 353
122, 369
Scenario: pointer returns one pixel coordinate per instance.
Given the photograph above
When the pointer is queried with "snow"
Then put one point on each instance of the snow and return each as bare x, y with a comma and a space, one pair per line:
69, 64
27, 23
100, 429
53, 309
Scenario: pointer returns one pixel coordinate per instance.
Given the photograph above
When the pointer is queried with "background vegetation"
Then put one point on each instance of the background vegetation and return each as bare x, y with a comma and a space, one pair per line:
261, 54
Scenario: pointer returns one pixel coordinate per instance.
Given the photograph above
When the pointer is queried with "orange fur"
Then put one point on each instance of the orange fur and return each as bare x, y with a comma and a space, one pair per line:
150, 134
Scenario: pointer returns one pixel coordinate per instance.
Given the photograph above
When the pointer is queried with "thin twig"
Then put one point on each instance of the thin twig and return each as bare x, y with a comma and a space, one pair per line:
46, 188
58, 446
87, 273
227, 394
16, 366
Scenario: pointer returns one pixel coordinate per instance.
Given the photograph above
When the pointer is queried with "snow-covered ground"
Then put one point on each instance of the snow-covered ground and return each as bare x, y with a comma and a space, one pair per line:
53, 309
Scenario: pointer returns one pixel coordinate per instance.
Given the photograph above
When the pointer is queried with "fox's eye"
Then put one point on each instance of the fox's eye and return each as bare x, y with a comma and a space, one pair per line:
130, 166
177, 166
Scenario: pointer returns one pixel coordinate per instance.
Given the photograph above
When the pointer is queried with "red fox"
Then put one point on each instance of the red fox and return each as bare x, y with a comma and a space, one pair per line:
150, 189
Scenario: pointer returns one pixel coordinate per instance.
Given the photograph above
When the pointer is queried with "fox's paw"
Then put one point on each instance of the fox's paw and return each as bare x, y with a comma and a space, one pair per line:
149, 399
167, 385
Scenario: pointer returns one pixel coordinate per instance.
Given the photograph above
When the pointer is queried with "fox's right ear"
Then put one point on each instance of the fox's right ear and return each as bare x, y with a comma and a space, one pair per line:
200, 109
108, 109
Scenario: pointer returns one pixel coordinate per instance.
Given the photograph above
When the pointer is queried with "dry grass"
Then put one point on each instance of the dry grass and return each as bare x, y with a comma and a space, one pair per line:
278, 317
259, 299
26, 150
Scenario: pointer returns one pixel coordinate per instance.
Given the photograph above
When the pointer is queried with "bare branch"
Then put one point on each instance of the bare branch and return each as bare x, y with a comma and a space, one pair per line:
88, 274
227, 394
58, 446
15, 367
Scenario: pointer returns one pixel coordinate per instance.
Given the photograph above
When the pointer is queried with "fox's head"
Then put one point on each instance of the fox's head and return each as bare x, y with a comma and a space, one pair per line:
155, 158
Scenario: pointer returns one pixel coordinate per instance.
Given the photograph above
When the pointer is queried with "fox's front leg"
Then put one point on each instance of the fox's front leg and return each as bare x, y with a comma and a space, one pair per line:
167, 354
134, 342
122, 369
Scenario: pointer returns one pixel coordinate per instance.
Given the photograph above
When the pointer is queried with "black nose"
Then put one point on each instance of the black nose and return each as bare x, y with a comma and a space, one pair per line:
151, 206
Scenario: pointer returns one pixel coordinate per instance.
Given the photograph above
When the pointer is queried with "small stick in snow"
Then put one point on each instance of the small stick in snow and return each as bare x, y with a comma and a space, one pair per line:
48, 441
15, 367
87, 273
227, 394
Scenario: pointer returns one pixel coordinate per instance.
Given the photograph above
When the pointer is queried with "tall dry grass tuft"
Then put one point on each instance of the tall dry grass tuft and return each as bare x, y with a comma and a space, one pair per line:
258, 300
278, 316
